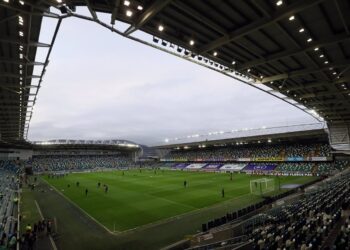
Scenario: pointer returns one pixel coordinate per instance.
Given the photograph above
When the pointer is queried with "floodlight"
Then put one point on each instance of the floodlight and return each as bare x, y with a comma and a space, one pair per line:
155, 39
129, 13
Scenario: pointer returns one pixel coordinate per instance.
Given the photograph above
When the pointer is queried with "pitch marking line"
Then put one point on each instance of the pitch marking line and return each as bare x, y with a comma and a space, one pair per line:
82, 210
42, 217
149, 225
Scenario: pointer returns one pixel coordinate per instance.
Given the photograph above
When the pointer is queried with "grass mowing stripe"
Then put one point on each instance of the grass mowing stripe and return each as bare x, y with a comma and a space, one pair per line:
135, 199
76, 205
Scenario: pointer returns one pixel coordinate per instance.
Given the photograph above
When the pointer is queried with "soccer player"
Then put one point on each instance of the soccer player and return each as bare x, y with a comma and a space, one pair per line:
185, 183
106, 189
99, 184
231, 176
78, 183
223, 192
86, 192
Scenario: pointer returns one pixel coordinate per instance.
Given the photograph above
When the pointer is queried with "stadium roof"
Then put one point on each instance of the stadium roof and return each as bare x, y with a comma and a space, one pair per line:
85, 144
121, 143
297, 50
294, 133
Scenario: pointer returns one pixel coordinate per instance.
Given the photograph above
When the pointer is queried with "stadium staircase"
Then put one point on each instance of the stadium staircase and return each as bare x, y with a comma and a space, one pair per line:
333, 234
314, 169
283, 153
339, 136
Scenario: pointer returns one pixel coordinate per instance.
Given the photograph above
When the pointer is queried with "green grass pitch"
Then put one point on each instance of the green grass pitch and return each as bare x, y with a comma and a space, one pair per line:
136, 199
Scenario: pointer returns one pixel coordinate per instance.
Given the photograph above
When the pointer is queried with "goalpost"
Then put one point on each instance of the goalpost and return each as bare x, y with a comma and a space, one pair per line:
262, 186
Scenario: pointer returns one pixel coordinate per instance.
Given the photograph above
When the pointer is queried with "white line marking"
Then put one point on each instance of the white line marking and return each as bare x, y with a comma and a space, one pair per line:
42, 217
82, 210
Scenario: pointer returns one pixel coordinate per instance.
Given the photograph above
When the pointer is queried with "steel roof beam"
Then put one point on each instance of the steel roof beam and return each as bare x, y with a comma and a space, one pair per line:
14, 112
40, 11
16, 61
321, 83
19, 42
261, 23
329, 109
115, 11
201, 18
292, 52
147, 15
92, 12
10, 75
324, 93
296, 73
341, 15
6, 19
328, 101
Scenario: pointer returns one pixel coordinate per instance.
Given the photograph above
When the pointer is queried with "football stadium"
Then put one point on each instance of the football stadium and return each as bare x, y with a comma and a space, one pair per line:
258, 187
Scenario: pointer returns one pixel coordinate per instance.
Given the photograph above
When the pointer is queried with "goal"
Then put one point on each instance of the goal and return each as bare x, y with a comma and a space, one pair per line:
262, 186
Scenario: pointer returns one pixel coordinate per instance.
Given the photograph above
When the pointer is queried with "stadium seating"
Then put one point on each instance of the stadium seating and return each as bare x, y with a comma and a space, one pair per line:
296, 167
321, 168
251, 151
86, 162
303, 223
307, 221
8, 200
342, 240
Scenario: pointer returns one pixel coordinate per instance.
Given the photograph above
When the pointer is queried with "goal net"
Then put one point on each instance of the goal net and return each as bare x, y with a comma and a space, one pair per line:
262, 186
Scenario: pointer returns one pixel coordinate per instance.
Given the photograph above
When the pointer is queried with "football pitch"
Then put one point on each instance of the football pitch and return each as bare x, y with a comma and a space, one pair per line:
137, 198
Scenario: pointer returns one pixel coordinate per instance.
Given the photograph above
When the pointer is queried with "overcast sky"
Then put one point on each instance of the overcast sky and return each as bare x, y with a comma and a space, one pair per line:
99, 85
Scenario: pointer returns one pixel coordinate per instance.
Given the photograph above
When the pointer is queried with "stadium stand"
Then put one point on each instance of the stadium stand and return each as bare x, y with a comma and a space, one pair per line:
296, 167
286, 159
308, 222
251, 151
78, 162
305, 223
342, 240
8, 204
